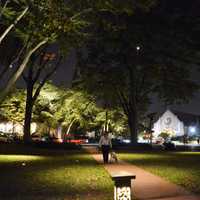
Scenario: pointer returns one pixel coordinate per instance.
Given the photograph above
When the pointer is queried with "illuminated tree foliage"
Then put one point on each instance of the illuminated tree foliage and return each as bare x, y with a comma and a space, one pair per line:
13, 106
74, 110
78, 110
57, 107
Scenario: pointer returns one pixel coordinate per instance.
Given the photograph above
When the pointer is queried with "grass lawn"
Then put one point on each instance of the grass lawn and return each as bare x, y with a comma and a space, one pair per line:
182, 168
52, 175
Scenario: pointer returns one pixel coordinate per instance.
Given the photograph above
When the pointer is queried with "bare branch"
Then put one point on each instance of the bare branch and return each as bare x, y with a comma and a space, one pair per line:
37, 92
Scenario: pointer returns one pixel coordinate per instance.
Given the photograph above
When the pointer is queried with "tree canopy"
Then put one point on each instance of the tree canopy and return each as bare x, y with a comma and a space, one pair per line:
45, 22
139, 54
71, 109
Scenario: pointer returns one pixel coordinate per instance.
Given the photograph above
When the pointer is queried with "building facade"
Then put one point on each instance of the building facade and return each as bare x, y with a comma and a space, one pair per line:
177, 123
15, 128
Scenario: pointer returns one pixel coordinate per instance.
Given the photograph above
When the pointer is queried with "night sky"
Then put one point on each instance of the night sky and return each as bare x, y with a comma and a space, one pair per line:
193, 106
64, 74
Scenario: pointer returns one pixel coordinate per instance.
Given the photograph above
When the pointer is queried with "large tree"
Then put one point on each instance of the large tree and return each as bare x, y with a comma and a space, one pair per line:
48, 21
38, 73
139, 54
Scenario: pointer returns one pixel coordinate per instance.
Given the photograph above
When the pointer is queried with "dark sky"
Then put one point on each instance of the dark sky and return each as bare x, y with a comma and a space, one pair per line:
193, 106
64, 74
188, 8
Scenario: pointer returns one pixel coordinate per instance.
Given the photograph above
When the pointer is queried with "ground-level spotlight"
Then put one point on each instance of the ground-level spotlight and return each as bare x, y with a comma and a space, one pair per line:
122, 188
138, 48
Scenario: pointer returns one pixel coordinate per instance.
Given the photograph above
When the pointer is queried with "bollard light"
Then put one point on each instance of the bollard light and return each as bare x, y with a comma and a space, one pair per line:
122, 188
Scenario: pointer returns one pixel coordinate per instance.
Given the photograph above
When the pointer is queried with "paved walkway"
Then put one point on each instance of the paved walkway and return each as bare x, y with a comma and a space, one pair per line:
147, 186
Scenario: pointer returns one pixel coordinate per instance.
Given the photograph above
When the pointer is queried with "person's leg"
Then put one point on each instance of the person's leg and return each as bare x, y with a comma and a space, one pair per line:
104, 153
107, 148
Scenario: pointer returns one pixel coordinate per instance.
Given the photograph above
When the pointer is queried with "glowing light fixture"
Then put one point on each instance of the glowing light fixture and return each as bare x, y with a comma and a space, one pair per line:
192, 129
122, 189
60, 140
138, 48
127, 141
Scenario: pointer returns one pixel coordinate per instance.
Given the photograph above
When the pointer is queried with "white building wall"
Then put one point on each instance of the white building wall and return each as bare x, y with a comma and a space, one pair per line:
168, 122
10, 127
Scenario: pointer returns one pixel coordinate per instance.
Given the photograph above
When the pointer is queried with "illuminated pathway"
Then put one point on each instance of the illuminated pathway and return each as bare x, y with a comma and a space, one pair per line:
147, 186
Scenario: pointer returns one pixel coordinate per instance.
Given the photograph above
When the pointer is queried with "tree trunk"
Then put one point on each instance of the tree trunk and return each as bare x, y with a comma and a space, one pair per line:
106, 122
28, 114
59, 131
49, 130
131, 112
69, 127
133, 126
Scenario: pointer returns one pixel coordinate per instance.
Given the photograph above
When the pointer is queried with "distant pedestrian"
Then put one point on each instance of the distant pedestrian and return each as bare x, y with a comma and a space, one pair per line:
105, 144
197, 140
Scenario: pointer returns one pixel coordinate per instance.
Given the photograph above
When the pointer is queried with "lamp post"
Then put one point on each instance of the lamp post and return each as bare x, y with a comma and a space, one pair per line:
122, 188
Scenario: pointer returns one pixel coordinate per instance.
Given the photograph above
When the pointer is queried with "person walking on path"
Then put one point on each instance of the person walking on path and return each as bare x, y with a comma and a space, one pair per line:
105, 144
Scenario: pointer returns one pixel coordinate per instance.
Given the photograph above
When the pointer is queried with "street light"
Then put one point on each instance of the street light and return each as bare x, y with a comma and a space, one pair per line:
138, 48
192, 129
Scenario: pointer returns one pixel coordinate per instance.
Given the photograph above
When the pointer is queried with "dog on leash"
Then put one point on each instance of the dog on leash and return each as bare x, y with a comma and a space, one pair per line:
113, 157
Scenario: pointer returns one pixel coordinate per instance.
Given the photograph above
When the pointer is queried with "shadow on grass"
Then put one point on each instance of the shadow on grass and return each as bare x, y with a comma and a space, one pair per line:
52, 176
38, 148
54, 179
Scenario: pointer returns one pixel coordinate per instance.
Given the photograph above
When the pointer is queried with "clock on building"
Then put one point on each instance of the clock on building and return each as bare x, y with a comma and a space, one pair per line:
168, 121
